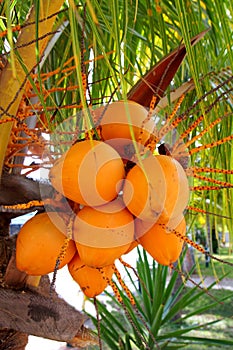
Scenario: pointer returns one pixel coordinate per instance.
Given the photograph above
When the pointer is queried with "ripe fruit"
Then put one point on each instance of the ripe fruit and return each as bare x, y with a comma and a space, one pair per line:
160, 242
39, 243
144, 189
90, 173
156, 188
122, 119
91, 280
103, 234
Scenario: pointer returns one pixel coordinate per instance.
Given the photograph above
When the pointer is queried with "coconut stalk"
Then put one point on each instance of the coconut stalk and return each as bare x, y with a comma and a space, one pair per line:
26, 52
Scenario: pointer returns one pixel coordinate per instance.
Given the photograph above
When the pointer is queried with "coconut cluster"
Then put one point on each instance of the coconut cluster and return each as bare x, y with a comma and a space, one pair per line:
119, 207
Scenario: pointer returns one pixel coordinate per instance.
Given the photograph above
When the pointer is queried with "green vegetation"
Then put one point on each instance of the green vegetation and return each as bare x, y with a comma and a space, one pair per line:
216, 268
222, 312
167, 312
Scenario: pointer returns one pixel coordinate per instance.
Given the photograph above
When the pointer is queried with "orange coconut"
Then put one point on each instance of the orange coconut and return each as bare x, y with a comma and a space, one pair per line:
92, 281
103, 234
177, 196
90, 173
39, 244
160, 241
156, 187
123, 121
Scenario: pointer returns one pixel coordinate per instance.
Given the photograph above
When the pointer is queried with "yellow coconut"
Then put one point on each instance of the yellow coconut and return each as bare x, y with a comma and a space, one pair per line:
124, 121
160, 241
92, 281
157, 187
90, 173
104, 233
39, 244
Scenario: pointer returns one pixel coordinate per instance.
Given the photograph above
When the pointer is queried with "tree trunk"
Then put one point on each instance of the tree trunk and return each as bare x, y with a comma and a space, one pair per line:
12, 340
9, 338
12, 79
42, 315
25, 311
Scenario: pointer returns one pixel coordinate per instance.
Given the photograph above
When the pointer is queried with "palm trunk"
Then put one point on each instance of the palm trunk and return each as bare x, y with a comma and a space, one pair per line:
12, 340
12, 79
9, 338
26, 311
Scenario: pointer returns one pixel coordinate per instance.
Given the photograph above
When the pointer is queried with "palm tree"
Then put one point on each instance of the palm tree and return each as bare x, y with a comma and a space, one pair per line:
78, 55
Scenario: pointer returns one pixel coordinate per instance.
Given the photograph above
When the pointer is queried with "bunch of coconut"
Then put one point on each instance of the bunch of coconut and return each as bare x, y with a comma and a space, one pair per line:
119, 208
